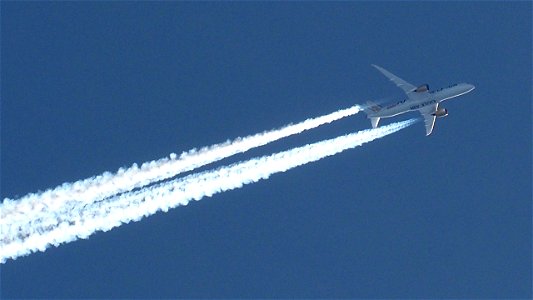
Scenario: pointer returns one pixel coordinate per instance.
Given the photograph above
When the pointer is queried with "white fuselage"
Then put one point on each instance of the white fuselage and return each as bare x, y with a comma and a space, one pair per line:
421, 100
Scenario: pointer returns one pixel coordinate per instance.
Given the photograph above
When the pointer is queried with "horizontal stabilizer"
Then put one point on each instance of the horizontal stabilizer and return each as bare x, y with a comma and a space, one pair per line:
371, 107
374, 121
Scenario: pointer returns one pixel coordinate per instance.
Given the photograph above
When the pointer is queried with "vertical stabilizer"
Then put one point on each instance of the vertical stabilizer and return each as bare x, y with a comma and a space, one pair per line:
370, 109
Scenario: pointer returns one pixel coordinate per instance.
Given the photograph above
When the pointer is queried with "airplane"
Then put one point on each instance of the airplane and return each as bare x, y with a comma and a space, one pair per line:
418, 98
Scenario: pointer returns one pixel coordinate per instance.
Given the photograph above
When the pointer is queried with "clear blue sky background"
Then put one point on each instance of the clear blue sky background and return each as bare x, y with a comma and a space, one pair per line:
91, 87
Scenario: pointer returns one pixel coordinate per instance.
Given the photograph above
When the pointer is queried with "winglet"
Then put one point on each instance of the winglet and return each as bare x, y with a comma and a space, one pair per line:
429, 122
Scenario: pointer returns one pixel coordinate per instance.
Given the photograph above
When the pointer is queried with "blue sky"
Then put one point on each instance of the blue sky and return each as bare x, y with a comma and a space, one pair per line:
91, 87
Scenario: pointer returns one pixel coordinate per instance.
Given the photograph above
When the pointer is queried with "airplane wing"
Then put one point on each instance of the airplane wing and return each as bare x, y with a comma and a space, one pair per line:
404, 85
429, 117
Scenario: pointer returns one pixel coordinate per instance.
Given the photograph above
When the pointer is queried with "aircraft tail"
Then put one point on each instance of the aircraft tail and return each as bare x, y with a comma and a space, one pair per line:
375, 121
370, 109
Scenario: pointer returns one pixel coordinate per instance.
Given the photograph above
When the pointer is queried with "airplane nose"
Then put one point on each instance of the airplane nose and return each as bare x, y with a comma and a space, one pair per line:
469, 87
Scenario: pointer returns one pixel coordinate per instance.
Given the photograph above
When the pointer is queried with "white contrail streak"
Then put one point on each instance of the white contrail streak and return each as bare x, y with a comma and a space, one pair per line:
99, 187
70, 223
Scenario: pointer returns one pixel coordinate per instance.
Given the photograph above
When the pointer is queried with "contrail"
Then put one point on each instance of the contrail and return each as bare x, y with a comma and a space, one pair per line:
86, 191
23, 236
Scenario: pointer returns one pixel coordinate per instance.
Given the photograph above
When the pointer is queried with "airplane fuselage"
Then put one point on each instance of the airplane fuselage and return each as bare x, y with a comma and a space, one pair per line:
422, 100
418, 99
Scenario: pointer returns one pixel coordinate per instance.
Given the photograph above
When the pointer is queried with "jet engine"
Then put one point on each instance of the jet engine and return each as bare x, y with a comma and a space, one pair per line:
441, 112
422, 88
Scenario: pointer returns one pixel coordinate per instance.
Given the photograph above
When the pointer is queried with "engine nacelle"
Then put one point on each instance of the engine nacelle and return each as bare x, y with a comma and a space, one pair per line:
441, 112
422, 88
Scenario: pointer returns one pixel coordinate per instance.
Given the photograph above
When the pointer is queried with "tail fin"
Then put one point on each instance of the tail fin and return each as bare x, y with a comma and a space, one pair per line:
370, 109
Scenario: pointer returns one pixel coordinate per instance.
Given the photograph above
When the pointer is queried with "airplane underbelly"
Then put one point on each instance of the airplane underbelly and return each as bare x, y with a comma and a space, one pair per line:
394, 111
